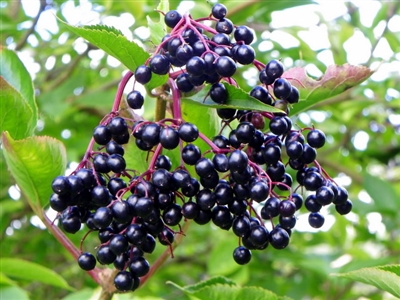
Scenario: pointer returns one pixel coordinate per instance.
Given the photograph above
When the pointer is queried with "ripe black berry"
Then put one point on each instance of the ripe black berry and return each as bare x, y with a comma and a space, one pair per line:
241, 255
224, 25
159, 64
244, 34
169, 137
279, 238
135, 100
102, 135
143, 74
123, 281
190, 154
225, 66
316, 220
86, 261
274, 69
172, 18
219, 11
316, 138
218, 93
188, 132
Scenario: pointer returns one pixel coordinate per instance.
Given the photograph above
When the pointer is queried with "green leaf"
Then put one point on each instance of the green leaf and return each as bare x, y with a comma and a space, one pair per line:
383, 193
209, 282
13, 292
237, 98
114, 43
18, 113
385, 278
336, 80
221, 288
158, 29
26, 270
34, 162
14, 72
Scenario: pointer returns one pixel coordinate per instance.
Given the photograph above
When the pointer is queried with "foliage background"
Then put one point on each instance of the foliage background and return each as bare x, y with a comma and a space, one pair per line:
75, 86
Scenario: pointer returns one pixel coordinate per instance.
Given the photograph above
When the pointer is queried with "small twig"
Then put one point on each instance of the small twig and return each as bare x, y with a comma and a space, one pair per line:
22, 42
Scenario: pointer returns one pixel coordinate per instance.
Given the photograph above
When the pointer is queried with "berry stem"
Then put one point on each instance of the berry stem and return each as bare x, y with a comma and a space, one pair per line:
120, 91
165, 255
69, 246
176, 98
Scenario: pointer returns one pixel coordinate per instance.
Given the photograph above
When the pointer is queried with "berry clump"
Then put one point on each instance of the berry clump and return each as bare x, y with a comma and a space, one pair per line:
240, 181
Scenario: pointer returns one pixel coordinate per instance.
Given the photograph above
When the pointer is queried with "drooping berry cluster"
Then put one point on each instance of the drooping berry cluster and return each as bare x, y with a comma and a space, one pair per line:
241, 183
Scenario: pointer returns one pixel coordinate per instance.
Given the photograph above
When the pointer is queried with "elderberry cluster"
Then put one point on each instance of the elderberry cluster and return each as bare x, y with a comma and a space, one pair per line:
241, 183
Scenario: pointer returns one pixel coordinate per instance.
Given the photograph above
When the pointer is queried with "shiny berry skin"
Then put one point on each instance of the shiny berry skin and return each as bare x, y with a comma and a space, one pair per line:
219, 11
224, 25
259, 235
118, 244
262, 94
172, 215
188, 132
316, 220
102, 135
184, 53
238, 161
117, 126
169, 137
244, 34
61, 185
274, 69
101, 196
222, 39
226, 113
151, 134
114, 148
270, 208
143, 74
204, 167
259, 191
123, 281
115, 184
196, 66
116, 163
245, 132
102, 217
191, 154
172, 18
104, 255
121, 212
316, 138
190, 210
225, 66
100, 163
344, 208
342, 196
135, 100
241, 255
311, 204
244, 54
183, 83
218, 93
163, 162
294, 149
278, 125
86, 261
294, 96
282, 88
287, 208
279, 238
241, 226
220, 162
159, 64
139, 266
71, 223
313, 181
324, 195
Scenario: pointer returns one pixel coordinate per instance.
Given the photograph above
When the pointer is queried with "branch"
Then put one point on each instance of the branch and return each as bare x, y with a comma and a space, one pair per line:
22, 42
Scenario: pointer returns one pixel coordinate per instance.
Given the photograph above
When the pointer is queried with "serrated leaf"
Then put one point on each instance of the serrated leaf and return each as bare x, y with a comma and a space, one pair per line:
391, 268
383, 193
114, 43
198, 286
14, 72
237, 98
221, 288
222, 292
16, 116
336, 80
26, 270
377, 276
34, 162
18, 113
